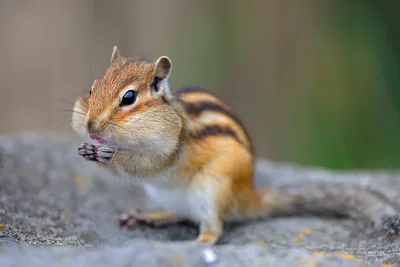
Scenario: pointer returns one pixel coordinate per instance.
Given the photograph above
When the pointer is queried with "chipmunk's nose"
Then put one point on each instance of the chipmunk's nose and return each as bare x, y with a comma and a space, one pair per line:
96, 126
93, 126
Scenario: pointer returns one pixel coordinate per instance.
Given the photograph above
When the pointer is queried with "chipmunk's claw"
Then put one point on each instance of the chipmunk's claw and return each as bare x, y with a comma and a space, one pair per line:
129, 220
98, 153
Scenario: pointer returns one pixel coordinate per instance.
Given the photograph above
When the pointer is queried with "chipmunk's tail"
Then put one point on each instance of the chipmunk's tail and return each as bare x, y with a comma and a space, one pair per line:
333, 199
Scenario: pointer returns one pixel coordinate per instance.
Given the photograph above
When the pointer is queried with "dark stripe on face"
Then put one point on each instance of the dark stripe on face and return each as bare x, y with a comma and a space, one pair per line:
144, 105
123, 84
84, 101
196, 109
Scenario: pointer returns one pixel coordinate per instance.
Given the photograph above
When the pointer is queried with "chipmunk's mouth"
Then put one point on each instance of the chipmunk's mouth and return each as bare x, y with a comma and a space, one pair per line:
102, 140
98, 139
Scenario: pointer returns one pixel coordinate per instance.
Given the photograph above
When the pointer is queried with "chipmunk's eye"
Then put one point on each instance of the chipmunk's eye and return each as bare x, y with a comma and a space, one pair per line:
128, 99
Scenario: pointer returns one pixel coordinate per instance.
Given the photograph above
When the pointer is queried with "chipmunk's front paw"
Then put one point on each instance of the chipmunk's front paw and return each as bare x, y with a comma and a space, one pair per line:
98, 153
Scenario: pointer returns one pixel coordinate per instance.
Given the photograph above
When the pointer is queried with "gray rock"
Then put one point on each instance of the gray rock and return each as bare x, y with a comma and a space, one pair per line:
59, 209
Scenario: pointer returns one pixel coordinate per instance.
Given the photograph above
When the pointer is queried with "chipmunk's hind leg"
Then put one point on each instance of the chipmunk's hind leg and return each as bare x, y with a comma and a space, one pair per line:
210, 232
154, 219
210, 199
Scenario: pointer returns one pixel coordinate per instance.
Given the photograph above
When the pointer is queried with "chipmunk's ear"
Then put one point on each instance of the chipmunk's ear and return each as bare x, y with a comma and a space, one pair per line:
115, 56
163, 67
159, 83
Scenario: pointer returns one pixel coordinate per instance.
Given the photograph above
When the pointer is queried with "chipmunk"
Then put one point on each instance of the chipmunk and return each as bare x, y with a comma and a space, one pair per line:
193, 156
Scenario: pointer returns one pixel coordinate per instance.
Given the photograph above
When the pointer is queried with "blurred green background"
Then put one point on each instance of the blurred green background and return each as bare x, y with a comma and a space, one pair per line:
315, 81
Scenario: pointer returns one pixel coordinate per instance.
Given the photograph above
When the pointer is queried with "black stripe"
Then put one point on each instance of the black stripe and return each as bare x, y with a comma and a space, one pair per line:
214, 130
197, 108
201, 106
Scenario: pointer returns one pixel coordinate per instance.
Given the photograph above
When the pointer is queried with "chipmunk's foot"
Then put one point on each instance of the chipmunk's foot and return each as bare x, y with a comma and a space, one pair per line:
98, 153
208, 238
391, 226
154, 219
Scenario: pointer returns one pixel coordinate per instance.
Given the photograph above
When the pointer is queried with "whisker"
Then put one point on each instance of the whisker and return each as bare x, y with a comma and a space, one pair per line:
49, 122
118, 133
66, 101
119, 126
64, 124
90, 68
115, 136
74, 111
135, 120
60, 118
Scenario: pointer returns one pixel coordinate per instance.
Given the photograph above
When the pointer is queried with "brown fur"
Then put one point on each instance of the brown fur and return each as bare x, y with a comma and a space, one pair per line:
212, 136
189, 141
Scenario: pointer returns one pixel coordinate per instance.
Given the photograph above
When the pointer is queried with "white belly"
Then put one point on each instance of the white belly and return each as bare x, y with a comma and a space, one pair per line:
169, 198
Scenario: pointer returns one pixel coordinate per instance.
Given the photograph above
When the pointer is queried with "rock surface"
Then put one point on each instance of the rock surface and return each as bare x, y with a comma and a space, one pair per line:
56, 208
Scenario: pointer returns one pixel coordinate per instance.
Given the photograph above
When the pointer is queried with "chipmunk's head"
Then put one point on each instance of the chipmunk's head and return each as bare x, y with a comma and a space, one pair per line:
128, 107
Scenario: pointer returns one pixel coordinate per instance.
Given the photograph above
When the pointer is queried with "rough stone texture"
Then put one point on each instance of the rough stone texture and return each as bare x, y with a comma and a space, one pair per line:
59, 209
